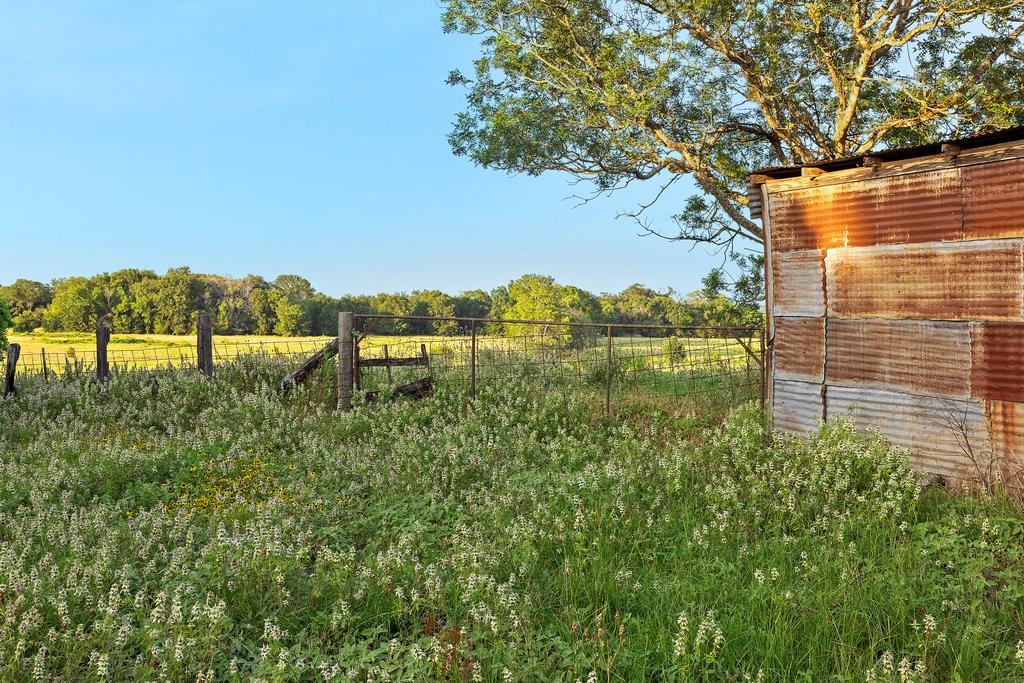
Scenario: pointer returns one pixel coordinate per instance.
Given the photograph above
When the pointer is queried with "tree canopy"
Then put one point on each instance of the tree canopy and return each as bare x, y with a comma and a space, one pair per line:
26, 299
6, 320
140, 301
620, 91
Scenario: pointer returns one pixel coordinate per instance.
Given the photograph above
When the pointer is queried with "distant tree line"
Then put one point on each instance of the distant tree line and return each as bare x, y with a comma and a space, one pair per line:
141, 301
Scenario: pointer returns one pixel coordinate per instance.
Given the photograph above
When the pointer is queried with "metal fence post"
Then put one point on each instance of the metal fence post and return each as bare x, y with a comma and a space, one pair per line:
472, 361
608, 377
345, 361
102, 339
13, 353
204, 345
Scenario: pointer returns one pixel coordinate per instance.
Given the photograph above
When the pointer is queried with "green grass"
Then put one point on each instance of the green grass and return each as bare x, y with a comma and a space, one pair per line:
167, 526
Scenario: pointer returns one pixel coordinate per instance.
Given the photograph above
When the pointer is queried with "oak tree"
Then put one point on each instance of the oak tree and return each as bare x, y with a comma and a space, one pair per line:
621, 91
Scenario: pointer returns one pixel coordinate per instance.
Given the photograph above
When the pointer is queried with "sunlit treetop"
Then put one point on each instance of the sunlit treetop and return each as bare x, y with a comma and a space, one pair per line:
616, 92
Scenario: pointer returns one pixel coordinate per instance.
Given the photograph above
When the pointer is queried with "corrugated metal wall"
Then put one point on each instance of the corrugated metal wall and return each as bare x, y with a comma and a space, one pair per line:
896, 295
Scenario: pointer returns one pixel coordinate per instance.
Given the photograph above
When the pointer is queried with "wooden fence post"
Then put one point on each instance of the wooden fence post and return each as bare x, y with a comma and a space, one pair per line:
102, 339
46, 370
472, 362
345, 361
204, 345
13, 353
387, 367
608, 377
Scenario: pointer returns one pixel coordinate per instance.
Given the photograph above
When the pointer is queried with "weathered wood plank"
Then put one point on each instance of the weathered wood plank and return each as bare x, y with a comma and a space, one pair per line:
300, 374
416, 361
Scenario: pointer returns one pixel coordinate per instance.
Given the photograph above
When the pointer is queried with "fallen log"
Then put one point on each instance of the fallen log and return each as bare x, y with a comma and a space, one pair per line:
421, 388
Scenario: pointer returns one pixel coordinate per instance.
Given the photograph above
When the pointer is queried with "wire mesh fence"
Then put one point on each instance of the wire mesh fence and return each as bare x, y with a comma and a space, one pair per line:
59, 362
614, 363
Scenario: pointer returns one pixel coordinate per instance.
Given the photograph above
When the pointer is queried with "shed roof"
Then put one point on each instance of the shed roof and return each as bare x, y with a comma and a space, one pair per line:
897, 153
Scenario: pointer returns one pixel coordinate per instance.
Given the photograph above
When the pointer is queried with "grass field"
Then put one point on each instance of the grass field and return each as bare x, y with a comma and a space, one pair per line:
84, 343
165, 527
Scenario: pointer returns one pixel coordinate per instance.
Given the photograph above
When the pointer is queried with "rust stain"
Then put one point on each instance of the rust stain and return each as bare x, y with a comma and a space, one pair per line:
918, 207
993, 197
916, 356
816, 218
1006, 421
997, 361
797, 407
799, 283
940, 281
800, 348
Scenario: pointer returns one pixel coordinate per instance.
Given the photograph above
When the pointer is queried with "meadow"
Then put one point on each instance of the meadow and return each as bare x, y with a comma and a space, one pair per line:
167, 527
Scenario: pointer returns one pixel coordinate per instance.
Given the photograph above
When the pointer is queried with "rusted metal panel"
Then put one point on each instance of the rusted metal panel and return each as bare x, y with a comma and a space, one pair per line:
797, 407
982, 280
993, 197
800, 349
818, 217
798, 279
822, 217
997, 361
915, 356
943, 436
1006, 432
754, 200
917, 207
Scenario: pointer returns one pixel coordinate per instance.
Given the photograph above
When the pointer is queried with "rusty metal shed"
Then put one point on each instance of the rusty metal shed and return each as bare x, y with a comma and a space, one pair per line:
895, 294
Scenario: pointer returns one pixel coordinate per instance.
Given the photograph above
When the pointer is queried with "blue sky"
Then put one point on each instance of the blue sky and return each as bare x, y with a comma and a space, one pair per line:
267, 137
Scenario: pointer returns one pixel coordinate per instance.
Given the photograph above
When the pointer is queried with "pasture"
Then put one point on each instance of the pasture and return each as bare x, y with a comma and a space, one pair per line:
168, 527
145, 346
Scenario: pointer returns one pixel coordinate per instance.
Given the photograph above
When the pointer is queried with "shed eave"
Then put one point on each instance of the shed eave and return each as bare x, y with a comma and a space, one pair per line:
1013, 134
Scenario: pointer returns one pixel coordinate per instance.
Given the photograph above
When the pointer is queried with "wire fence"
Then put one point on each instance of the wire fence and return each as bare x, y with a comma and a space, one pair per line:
58, 362
614, 363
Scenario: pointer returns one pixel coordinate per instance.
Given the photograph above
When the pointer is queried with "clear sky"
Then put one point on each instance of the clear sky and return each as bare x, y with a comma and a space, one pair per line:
278, 137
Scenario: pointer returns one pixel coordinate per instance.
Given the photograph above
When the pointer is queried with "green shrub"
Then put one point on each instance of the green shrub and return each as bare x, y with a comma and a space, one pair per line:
676, 349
